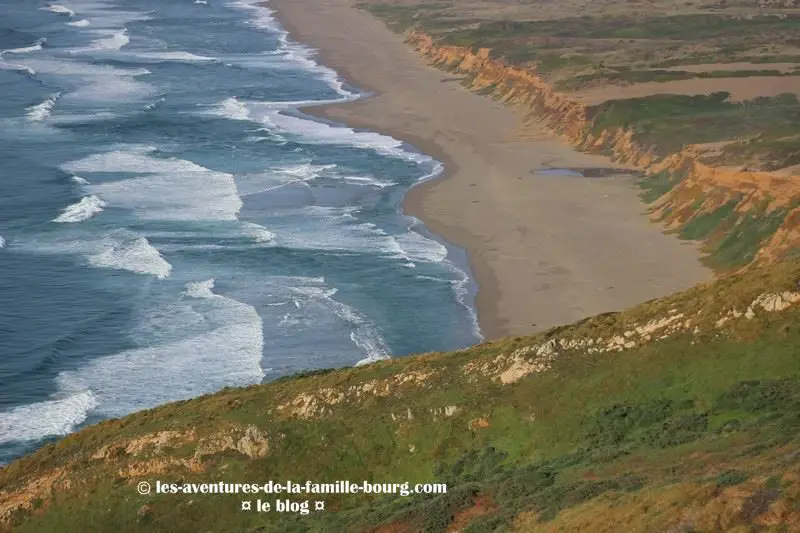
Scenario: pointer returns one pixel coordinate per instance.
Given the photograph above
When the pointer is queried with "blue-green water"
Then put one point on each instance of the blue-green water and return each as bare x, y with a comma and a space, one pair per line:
171, 224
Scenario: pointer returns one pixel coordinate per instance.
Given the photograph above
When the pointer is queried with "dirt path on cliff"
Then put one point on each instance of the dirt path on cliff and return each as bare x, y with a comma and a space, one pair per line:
545, 249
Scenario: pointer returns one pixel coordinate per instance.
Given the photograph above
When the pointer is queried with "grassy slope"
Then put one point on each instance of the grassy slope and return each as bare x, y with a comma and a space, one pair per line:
696, 430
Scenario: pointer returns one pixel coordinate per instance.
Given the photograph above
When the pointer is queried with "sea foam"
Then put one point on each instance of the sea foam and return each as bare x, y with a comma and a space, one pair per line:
177, 56
278, 177
198, 344
171, 189
41, 111
298, 54
59, 9
19, 68
306, 130
363, 333
108, 40
26, 49
45, 419
88, 207
413, 246
133, 254
100, 83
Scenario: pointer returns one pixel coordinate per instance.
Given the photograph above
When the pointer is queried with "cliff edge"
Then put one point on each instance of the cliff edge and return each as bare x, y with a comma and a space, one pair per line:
680, 414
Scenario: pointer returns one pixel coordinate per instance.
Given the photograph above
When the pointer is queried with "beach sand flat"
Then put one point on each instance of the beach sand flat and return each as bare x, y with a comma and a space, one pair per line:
545, 249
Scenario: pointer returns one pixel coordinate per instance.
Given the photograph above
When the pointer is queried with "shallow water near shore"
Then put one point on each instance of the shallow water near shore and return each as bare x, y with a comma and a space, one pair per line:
171, 224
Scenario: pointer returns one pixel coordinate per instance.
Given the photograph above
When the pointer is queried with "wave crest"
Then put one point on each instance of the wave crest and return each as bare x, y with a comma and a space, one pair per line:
135, 255
25, 49
88, 207
59, 9
41, 111
45, 419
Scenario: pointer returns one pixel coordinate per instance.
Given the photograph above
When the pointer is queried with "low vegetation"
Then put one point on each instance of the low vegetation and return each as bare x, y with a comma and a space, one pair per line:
708, 415
667, 123
681, 414
693, 83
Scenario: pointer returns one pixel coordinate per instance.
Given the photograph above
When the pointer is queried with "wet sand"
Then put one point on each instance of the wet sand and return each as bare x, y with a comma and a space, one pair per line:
545, 248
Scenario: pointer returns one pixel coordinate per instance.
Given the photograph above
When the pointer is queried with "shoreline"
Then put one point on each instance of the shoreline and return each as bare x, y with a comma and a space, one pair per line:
542, 249
484, 288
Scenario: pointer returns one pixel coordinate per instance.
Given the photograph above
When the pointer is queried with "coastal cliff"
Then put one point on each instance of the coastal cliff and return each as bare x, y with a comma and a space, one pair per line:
690, 195
679, 414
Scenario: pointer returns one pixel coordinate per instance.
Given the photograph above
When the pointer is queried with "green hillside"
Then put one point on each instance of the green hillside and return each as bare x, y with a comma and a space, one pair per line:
681, 414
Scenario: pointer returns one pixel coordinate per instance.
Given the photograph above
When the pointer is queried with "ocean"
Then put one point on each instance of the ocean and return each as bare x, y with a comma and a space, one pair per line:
171, 223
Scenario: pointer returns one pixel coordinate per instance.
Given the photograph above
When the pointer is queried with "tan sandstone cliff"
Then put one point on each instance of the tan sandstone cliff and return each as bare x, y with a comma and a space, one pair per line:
700, 188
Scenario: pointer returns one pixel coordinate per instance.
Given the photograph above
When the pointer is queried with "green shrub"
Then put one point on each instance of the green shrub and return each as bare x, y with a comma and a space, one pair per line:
730, 478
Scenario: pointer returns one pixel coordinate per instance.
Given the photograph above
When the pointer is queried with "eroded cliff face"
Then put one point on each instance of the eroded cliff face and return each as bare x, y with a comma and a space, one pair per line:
763, 206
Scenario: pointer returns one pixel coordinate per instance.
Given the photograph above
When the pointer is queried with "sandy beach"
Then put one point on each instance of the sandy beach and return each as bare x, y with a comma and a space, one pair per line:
545, 249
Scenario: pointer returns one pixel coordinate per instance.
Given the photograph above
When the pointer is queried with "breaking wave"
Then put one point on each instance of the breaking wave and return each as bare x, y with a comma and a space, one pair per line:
42, 110
88, 207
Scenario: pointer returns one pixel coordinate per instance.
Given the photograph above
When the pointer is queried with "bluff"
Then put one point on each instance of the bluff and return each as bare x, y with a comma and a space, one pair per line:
681, 414
743, 215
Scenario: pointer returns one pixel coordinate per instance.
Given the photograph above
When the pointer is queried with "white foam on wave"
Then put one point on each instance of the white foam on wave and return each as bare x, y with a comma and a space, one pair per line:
279, 177
19, 68
200, 289
119, 249
363, 333
177, 56
230, 108
134, 254
26, 49
315, 132
303, 56
23, 50
153, 105
59, 9
105, 14
101, 83
307, 172
79, 180
371, 181
257, 232
328, 228
108, 39
460, 288
462, 292
42, 110
88, 207
196, 345
45, 419
413, 246
171, 189
338, 229
2, 242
